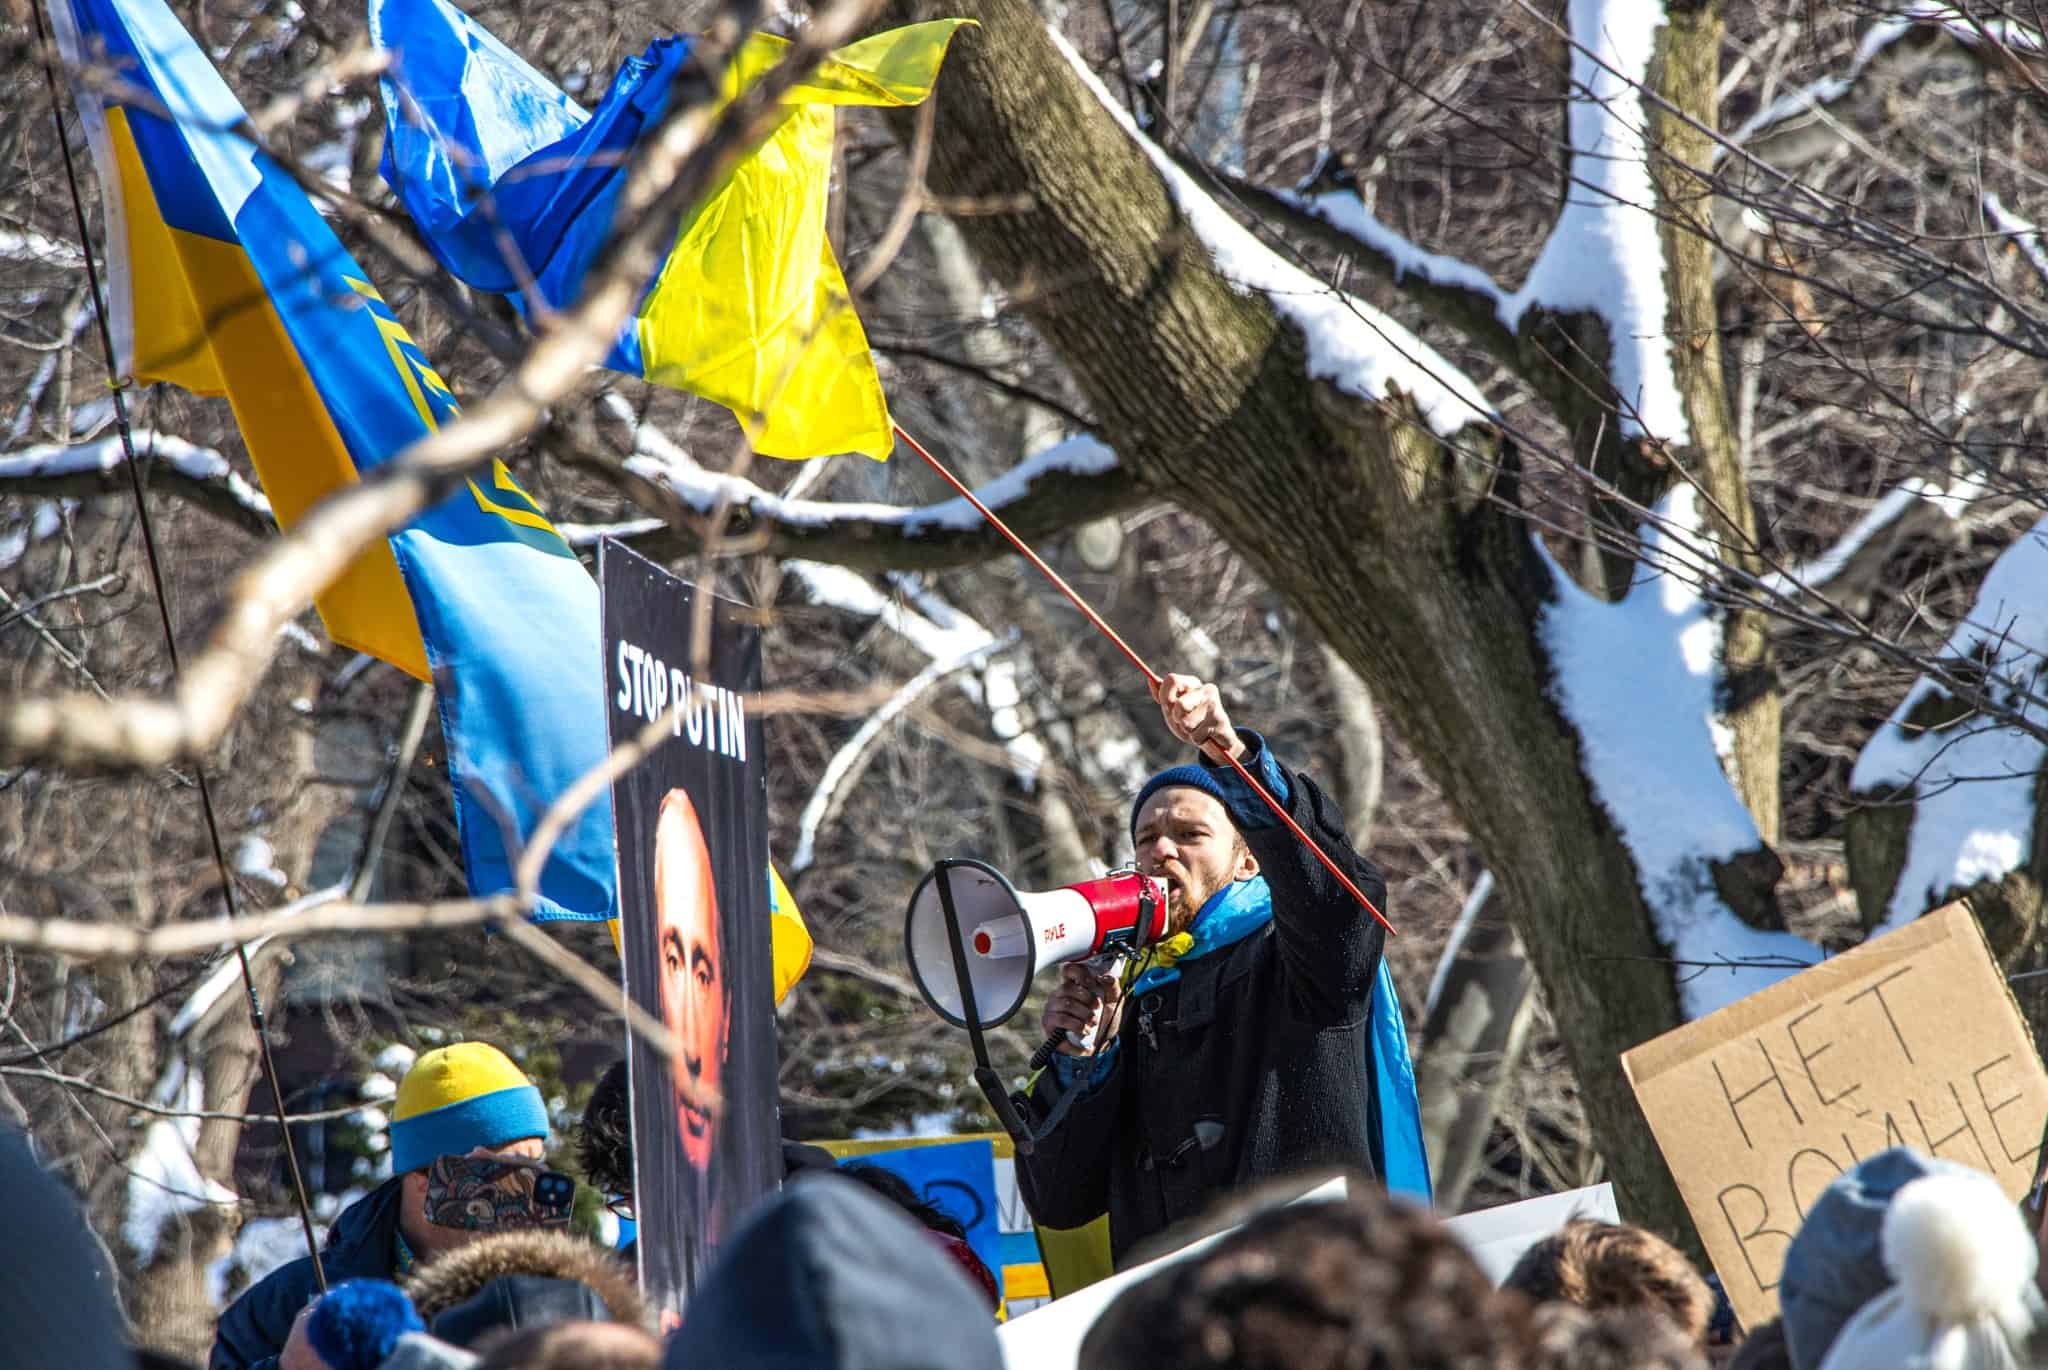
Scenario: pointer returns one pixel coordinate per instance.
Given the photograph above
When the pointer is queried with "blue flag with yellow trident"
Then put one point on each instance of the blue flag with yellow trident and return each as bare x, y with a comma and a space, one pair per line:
224, 279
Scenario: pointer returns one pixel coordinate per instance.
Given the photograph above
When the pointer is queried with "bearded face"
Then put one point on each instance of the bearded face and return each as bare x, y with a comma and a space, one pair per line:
1186, 841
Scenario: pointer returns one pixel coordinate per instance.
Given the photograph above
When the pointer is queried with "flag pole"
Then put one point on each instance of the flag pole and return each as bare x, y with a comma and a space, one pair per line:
1152, 677
116, 385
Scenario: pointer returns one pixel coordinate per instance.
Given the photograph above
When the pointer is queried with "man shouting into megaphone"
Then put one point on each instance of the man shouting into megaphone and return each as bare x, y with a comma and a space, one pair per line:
1243, 1046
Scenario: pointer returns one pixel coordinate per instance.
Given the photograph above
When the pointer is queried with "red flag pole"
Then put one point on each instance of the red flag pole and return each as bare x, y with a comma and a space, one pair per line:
1152, 677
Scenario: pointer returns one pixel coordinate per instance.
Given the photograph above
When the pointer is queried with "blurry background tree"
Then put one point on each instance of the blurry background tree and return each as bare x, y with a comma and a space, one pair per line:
1571, 428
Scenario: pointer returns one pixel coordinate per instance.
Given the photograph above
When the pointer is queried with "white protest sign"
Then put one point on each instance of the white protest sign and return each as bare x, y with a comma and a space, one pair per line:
1049, 1338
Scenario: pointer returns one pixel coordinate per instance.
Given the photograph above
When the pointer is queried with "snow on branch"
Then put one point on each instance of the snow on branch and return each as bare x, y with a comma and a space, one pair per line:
164, 1180
2025, 236
847, 763
1817, 95
942, 633
701, 490
1604, 254
1970, 781
1952, 501
1067, 483
1345, 212
26, 244
1350, 344
1637, 681
659, 458
1877, 41
199, 473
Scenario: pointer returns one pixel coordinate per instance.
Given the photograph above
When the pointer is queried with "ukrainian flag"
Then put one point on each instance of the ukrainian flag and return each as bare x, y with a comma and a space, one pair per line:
224, 279
513, 184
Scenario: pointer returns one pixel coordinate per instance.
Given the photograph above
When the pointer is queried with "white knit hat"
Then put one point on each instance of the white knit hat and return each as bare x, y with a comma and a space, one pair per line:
1964, 1297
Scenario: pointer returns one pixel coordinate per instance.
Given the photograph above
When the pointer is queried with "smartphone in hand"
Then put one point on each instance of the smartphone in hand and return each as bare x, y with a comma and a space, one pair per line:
492, 1193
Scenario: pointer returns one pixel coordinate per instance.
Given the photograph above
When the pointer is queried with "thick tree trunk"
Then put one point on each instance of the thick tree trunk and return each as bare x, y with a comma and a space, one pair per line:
1369, 523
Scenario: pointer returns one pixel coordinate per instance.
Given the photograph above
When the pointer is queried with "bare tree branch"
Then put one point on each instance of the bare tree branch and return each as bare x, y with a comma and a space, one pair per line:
691, 151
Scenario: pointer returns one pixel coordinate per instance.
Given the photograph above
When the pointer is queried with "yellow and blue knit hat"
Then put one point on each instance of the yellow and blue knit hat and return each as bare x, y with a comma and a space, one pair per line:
458, 1098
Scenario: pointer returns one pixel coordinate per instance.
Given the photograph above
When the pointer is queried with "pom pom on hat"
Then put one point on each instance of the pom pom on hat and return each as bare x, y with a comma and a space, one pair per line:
1956, 1248
458, 1098
358, 1323
1964, 1295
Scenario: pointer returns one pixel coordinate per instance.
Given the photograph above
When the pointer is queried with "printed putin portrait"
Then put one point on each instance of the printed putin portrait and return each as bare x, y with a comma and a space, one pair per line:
696, 997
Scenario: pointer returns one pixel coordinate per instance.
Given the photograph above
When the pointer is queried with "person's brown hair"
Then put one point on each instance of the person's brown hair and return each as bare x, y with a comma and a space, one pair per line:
1599, 1266
1317, 1286
572, 1346
1568, 1337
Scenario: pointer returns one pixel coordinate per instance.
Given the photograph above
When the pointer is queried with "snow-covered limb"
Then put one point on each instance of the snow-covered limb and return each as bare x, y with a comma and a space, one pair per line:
1971, 782
1879, 40
1604, 255
74, 324
1048, 493
1637, 681
2025, 236
1344, 211
1452, 290
228, 974
164, 1181
941, 632
1951, 502
26, 244
1468, 915
91, 468
582, 536
847, 762
1350, 344
1815, 95
702, 490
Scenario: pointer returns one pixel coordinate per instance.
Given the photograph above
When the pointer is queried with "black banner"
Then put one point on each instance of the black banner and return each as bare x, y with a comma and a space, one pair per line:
694, 927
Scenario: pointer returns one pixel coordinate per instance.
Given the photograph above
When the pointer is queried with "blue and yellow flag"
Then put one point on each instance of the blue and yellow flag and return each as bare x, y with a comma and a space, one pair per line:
224, 279
513, 184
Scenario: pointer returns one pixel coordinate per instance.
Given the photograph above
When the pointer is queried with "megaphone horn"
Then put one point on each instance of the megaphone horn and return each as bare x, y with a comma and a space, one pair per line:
1008, 936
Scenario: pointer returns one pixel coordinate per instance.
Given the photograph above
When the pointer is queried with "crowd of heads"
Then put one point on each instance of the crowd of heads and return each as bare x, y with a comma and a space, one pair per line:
1903, 1262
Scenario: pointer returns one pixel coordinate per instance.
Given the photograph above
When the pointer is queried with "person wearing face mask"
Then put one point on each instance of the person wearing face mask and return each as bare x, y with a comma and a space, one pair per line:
467, 1099
1242, 1048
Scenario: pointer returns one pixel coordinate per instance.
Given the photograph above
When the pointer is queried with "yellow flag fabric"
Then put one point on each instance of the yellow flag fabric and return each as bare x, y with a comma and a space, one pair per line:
751, 310
791, 936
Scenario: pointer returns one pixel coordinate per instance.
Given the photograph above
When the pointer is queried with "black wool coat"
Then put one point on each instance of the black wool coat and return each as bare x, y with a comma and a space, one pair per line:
1255, 1063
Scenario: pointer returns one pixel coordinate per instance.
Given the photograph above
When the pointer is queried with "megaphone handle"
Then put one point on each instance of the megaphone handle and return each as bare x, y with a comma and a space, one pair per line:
1110, 962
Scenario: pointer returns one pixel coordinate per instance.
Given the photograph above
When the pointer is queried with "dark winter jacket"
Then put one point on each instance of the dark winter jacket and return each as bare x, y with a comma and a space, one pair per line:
57, 1301
828, 1276
1255, 1062
362, 1244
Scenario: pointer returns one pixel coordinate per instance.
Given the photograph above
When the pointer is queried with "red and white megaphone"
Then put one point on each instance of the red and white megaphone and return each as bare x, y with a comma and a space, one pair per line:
1007, 935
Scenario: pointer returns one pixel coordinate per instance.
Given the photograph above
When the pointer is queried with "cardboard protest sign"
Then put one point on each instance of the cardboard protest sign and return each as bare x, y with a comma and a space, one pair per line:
1908, 1040
693, 920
